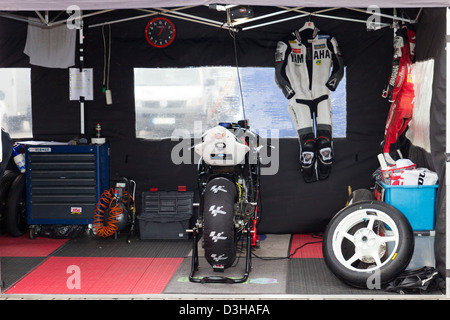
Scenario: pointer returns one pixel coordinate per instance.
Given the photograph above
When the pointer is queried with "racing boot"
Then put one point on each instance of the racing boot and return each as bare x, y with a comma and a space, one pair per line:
324, 147
308, 157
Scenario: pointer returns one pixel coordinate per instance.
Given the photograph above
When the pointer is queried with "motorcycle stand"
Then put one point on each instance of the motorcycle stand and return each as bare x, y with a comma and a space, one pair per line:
219, 279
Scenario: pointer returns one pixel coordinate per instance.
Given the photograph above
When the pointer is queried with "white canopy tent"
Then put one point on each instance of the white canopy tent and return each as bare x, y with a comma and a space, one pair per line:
32, 5
177, 12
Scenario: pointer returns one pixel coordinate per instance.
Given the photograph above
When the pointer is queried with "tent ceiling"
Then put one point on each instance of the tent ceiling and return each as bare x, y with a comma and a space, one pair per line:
31, 5
217, 18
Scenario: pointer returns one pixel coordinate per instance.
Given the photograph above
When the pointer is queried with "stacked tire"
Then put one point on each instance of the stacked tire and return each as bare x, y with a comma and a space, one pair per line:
13, 209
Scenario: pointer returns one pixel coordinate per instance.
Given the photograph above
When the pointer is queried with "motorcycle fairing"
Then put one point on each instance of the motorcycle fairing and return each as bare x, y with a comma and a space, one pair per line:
220, 147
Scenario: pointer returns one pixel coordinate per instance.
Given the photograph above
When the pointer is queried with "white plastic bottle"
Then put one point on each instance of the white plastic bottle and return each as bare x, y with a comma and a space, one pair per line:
19, 158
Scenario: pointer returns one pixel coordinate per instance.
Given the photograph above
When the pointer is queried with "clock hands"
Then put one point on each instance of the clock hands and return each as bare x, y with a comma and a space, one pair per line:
161, 30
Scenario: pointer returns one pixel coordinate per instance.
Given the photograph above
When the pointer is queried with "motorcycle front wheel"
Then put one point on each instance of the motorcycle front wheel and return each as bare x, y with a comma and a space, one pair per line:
368, 244
219, 232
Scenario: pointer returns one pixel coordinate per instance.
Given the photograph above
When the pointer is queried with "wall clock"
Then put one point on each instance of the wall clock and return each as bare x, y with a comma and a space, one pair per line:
160, 32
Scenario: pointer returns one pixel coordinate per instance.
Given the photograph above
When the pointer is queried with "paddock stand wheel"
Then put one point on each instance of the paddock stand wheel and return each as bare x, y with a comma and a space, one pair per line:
34, 231
368, 244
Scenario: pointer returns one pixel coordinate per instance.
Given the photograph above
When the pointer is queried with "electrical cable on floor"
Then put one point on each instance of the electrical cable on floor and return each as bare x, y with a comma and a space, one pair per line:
306, 243
292, 254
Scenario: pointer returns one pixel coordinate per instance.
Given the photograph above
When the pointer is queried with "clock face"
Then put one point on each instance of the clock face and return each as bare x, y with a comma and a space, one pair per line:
160, 32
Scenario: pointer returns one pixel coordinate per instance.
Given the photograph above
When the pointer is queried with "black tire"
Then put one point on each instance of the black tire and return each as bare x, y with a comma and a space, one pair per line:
16, 207
360, 195
7, 180
218, 223
368, 244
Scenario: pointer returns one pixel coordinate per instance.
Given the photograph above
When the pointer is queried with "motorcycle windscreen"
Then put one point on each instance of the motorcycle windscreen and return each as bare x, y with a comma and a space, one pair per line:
220, 147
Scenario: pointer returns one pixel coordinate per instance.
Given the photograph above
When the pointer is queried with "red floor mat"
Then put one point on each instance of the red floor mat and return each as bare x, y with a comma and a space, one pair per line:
312, 246
25, 247
87, 275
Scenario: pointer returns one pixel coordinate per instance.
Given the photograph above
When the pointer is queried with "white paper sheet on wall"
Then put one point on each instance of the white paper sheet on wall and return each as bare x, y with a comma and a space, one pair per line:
81, 83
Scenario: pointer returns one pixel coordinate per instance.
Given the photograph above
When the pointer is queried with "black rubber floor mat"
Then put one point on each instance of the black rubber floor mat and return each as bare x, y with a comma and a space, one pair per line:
14, 268
266, 277
312, 276
94, 246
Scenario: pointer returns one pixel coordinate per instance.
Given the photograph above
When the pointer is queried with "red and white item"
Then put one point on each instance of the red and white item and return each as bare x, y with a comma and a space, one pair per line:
414, 177
391, 174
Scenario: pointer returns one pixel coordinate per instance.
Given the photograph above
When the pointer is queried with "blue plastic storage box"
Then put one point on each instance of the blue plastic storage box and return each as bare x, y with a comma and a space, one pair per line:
417, 203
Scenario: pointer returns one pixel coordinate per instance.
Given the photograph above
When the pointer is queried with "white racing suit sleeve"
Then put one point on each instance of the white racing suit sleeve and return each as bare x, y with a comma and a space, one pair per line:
338, 65
281, 79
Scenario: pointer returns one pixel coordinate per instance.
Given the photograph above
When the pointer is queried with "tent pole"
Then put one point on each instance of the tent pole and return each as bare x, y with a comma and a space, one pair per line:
316, 14
82, 129
172, 14
43, 20
273, 22
350, 19
56, 17
21, 18
121, 20
190, 16
447, 161
268, 15
394, 17
153, 13
304, 14
52, 24
169, 13
150, 13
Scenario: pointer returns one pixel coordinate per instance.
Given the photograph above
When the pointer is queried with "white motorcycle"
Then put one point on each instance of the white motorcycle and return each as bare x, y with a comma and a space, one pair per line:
228, 182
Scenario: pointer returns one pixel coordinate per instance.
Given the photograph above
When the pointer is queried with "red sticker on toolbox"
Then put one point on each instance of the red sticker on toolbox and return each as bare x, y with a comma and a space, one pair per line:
76, 210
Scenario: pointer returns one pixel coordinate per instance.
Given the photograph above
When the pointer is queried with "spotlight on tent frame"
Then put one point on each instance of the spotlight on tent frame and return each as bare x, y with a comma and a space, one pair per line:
240, 13
219, 7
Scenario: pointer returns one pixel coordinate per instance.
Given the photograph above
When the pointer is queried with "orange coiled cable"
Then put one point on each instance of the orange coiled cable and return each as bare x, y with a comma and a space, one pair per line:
106, 203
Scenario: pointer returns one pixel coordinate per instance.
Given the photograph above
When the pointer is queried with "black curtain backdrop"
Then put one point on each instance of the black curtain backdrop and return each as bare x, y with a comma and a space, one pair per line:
288, 204
431, 39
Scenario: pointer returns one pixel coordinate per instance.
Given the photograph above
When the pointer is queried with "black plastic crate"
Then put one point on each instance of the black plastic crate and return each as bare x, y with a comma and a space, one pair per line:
165, 214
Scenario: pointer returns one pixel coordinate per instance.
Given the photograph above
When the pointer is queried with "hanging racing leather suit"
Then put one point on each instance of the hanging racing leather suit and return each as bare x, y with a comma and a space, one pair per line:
400, 90
302, 71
